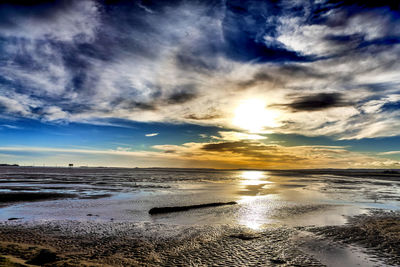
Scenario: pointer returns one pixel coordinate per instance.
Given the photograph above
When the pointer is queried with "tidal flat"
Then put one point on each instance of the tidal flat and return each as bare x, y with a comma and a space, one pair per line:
100, 217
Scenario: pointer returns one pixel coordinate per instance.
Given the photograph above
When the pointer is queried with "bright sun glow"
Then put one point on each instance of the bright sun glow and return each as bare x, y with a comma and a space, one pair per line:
252, 115
252, 175
253, 178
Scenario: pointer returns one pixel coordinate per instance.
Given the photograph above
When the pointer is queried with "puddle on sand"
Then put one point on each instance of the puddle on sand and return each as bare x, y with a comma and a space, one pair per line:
330, 215
331, 254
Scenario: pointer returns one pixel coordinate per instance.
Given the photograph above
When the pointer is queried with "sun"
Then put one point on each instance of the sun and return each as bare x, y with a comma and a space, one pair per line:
253, 116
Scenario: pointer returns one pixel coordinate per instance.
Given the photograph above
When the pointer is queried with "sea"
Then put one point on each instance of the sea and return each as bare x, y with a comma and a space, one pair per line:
264, 198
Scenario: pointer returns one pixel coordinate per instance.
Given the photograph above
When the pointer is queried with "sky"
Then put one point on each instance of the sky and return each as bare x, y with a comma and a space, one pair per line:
203, 84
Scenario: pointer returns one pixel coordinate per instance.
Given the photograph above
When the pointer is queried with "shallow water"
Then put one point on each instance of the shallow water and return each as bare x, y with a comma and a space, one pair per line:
334, 255
263, 197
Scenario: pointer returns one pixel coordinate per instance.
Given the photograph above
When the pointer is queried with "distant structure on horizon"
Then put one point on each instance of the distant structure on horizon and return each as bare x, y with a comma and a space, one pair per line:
9, 165
70, 165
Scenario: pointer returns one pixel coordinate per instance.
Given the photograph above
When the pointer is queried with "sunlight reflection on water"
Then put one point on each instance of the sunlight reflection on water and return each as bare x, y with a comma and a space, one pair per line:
254, 178
255, 208
253, 213
252, 175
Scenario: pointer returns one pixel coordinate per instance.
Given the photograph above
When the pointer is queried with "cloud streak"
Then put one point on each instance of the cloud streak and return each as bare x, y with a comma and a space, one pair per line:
317, 102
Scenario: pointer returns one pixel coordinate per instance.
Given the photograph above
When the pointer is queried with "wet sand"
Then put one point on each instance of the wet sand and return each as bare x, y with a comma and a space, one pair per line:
73, 243
125, 244
379, 231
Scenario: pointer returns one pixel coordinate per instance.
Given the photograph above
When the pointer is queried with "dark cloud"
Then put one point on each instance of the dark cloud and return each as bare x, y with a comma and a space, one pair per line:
246, 148
194, 63
131, 104
242, 147
144, 106
318, 102
345, 39
75, 108
13, 10
38, 111
226, 146
384, 41
181, 97
29, 2
336, 13
183, 94
251, 149
258, 78
393, 5
353, 44
300, 71
280, 74
202, 117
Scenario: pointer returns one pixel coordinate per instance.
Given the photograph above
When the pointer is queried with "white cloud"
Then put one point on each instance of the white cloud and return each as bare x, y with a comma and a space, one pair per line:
151, 134
234, 136
123, 148
10, 126
390, 153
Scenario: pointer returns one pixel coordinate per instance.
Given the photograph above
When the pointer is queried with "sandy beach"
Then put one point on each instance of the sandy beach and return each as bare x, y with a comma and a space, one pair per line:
302, 219
71, 243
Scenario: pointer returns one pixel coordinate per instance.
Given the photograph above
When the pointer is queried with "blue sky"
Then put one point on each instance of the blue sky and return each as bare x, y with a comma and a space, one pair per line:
224, 84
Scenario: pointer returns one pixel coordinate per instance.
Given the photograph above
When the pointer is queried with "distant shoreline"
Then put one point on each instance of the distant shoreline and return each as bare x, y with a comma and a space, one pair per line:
316, 170
341, 172
383, 174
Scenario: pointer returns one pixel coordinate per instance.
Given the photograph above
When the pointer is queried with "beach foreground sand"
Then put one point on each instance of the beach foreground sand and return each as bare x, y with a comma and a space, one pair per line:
73, 243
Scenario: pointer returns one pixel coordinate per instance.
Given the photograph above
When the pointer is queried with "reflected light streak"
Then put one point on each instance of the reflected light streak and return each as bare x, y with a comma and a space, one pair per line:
255, 208
253, 178
252, 175
254, 213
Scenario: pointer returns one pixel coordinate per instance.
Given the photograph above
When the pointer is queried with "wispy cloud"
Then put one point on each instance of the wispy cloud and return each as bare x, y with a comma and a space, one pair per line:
10, 126
152, 134
390, 153
234, 136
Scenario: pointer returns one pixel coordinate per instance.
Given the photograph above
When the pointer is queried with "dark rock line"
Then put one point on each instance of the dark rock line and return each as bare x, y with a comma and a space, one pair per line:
186, 208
